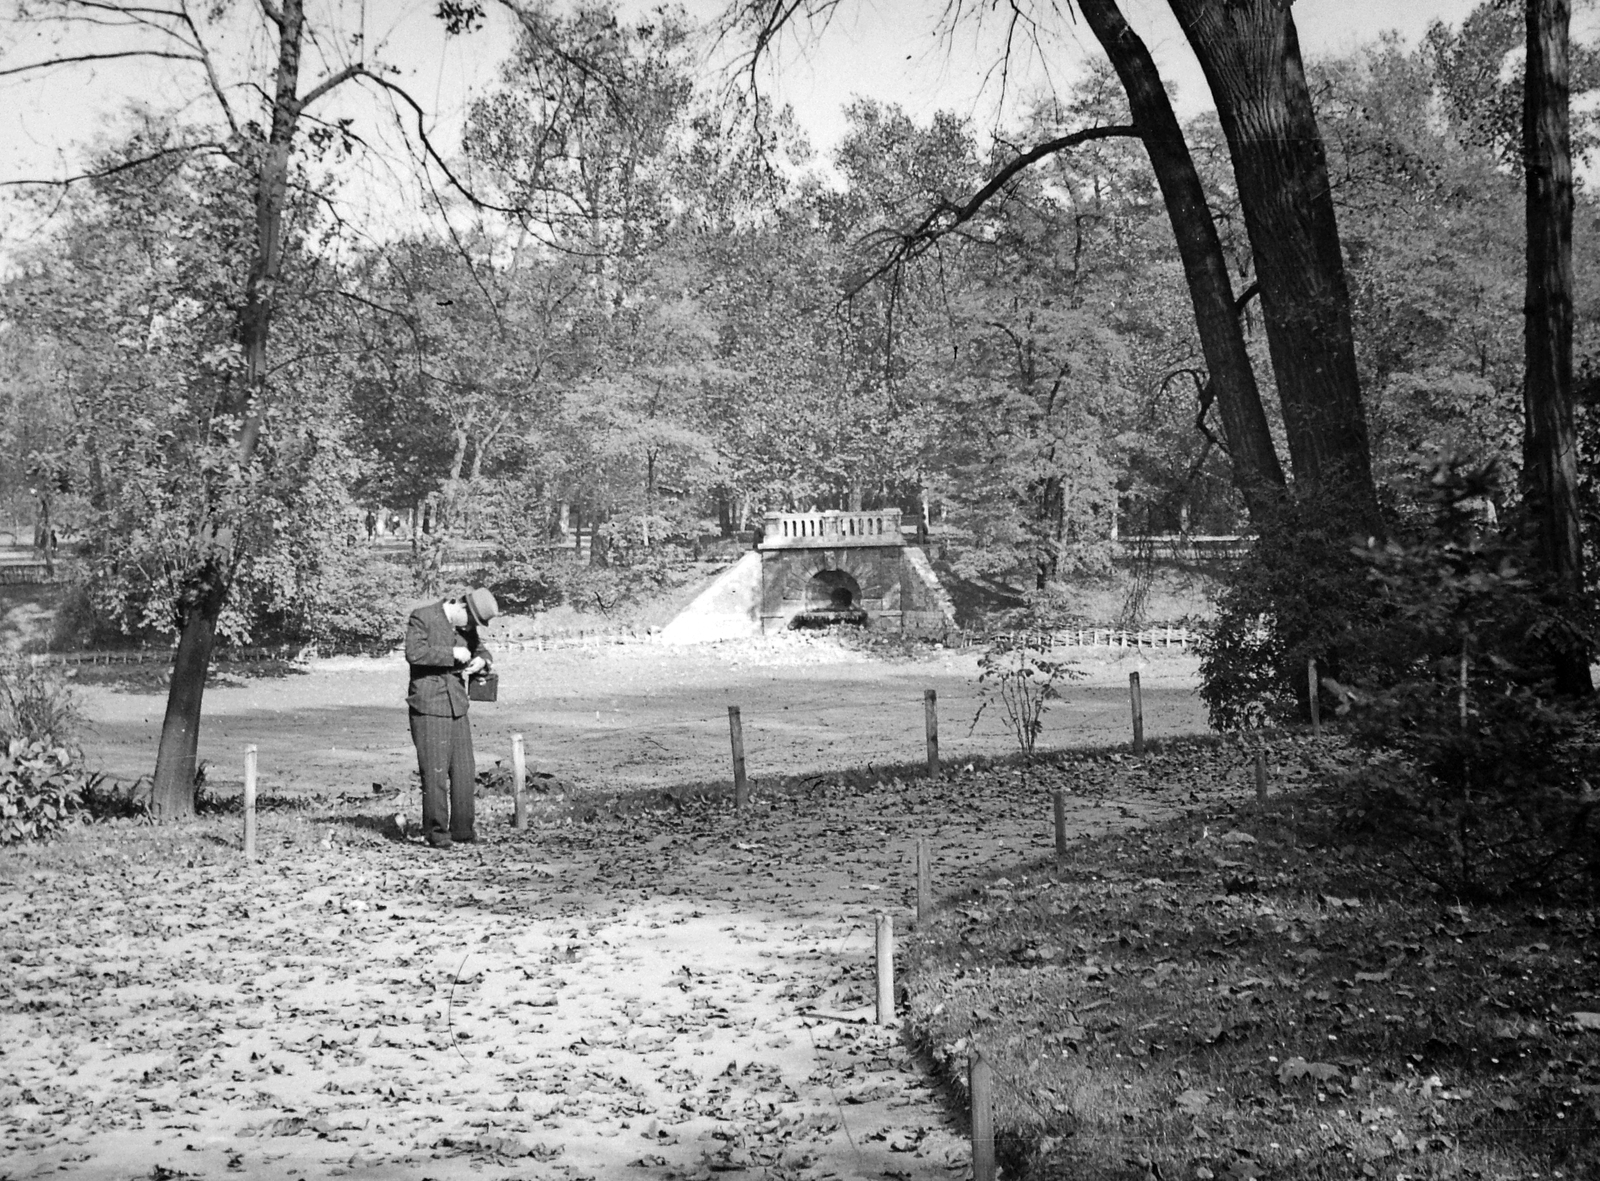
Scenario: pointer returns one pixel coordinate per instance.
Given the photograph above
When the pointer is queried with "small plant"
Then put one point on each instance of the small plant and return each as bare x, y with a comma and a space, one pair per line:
35, 705
1018, 673
41, 789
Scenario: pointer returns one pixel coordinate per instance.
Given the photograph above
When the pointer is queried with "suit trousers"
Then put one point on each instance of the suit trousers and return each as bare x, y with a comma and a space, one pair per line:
444, 755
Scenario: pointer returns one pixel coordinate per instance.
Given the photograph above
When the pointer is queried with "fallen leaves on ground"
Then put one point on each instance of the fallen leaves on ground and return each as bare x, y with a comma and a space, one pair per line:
668, 990
1245, 988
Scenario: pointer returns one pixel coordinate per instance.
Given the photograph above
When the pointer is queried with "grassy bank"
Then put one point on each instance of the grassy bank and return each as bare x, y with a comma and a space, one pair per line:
1246, 991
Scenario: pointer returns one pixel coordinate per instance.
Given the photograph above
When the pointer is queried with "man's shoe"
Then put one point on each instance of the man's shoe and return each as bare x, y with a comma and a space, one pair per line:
470, 839
440, 842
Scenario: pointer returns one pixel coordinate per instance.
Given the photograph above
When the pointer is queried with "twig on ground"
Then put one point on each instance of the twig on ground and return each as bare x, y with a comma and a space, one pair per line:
449, 1011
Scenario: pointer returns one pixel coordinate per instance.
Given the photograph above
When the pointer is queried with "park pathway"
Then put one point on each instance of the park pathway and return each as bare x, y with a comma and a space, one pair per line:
661, 995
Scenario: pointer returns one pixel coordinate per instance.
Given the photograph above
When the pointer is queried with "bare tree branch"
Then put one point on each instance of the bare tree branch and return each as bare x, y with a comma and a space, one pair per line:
98, 57
430, 151
124, 166
329, 83
946, 217
211, 72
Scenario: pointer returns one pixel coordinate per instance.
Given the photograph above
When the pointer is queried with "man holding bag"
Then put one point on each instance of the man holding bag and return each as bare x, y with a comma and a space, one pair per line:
443, 650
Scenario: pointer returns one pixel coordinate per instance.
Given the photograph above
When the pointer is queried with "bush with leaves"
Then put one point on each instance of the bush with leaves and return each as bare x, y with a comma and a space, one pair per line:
1294, 597
531, 580
41, 789
1480, 775
359, 602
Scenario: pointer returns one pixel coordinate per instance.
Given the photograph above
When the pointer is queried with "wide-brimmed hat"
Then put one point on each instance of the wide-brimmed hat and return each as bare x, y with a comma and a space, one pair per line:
481, 607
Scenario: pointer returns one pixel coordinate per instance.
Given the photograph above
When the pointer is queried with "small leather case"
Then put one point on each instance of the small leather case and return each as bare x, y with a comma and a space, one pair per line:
483, 687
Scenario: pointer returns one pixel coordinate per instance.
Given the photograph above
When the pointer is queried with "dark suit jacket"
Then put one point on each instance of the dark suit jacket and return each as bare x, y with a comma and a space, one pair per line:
437, 689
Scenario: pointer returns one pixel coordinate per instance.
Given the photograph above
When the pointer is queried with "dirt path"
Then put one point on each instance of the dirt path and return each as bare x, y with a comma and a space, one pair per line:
662, 996
637, 715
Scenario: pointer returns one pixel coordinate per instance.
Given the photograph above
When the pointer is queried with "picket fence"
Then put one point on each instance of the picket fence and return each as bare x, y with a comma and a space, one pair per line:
1084, 637
1089, 637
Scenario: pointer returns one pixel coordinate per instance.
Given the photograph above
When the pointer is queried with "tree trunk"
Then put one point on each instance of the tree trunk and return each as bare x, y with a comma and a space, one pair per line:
1256, 471
1549, 445
1250, 53
180, 728
172, 793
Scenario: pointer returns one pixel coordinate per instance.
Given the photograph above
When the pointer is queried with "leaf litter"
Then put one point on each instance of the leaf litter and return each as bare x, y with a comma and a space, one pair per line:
668, 991
1242, 990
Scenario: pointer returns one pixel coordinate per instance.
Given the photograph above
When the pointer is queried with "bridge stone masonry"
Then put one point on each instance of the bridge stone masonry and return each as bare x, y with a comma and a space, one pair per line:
848, 565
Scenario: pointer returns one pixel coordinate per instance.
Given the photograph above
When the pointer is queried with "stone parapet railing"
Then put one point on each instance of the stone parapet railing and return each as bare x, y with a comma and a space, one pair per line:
831, 529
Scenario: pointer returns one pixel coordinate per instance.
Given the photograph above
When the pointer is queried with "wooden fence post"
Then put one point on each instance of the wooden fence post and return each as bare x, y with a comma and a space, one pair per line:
1059, 799
924, 882
980, 1086
250, 802
930, 723
1138, 713
741, 788
885, 969
519, 784
1316, 704
1261, 774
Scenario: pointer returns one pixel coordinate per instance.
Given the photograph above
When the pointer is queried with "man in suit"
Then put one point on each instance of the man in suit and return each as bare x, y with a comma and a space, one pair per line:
443, 650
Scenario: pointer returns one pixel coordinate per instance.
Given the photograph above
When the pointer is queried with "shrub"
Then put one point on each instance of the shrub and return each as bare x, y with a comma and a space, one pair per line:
1296, 596
529, 580
1478, 768
35, 705
41, 788
360, 603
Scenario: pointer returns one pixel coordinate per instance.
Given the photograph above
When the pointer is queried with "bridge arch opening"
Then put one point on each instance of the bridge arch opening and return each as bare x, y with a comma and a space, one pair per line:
832, 596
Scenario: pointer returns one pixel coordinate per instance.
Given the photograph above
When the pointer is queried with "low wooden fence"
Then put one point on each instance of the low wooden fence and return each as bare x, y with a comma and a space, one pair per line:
581, 638
1158, 638
33, 573
1084, 637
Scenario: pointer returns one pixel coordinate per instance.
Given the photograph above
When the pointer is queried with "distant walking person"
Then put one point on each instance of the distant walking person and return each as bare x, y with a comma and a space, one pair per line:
443, 650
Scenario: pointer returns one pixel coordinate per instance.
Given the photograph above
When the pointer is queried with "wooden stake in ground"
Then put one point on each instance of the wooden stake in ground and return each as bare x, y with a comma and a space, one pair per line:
930, 713
924, 882
519, 784
885, 969
980, 1086
250, 802
741, 789
1138, 713
1261, 774
1059, 799
1316, 704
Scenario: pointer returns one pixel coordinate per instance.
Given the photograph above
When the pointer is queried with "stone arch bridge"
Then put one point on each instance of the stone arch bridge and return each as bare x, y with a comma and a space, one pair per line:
850, 565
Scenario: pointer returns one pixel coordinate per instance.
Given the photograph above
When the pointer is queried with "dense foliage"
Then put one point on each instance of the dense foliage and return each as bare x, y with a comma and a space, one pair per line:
42, 779
1478, 766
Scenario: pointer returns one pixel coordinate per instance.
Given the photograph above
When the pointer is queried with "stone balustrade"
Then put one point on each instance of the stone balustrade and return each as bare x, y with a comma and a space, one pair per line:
832, 529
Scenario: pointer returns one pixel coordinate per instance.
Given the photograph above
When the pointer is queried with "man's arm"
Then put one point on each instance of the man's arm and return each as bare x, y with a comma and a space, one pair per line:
482, 658
427, 646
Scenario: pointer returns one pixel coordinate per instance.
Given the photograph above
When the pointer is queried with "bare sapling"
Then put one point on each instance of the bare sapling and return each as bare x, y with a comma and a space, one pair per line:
1019, 675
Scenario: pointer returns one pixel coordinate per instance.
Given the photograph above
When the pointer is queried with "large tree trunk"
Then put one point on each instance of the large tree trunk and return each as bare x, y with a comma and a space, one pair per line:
1250, 53
180, 728
1549, 445
172, 793
1256, 471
